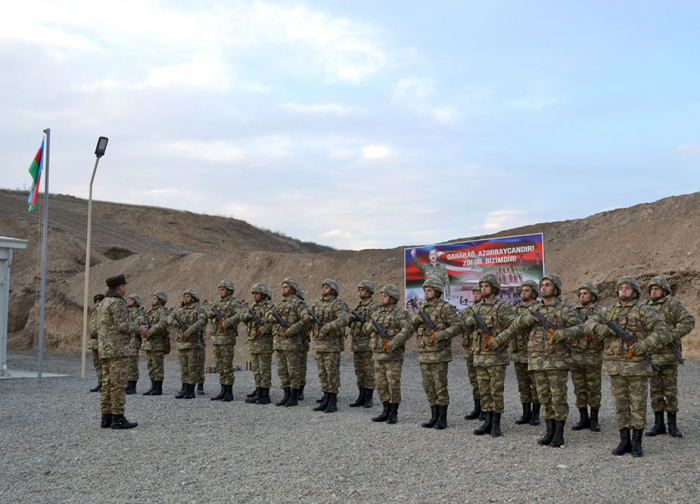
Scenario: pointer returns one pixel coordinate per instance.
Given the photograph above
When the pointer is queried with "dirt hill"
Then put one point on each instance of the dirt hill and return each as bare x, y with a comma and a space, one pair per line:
171, 250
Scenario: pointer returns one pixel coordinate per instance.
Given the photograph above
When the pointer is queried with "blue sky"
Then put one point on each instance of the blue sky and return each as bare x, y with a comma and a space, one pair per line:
358, 124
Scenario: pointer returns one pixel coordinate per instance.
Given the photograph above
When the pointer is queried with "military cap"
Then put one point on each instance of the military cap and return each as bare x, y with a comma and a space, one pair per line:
227, 284
115, 281
292, 282
192, 293
555, 280
366, 284
435, 284
660, 281
392, 291
492, 280
136, 298
632, 282
476, 288
98, 297
332, 284
590, 287
261, 288
533, 287
162, 296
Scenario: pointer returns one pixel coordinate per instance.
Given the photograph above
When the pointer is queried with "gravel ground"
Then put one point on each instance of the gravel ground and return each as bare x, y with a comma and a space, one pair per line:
53, 449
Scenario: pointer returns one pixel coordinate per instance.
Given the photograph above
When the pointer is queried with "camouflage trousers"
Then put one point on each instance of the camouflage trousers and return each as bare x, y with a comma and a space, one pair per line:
224, 363
304, 366
630, 394
587, 384
551, 389
364, 369
262, 369
388, 376
526, 383
188, 365
97, 363
663, 386
491, 386
200, 354
156, 365
329, 371
133, 374
434, 376
289, 368
473, 380
114, 378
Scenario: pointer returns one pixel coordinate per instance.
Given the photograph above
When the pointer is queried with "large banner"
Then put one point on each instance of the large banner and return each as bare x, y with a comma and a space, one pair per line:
459, 266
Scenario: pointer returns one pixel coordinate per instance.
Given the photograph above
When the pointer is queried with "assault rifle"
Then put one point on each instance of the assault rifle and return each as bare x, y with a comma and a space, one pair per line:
359, 317
180, 323
549, 327
620, 333
384, 337
677, 353
217, 316
285, 326
321, 324
259, 324
429, 324
484, 330
583, 321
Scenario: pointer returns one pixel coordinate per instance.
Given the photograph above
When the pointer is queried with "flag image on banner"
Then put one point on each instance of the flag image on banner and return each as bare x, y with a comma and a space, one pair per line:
35, 171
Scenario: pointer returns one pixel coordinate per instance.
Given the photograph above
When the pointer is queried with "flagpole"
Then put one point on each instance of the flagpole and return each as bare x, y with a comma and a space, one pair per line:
47, 131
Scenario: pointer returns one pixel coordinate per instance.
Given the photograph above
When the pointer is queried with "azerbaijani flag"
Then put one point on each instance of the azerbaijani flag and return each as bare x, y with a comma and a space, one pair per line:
35, 171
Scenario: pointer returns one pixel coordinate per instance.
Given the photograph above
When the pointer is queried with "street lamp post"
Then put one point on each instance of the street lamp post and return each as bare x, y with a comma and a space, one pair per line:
99, 152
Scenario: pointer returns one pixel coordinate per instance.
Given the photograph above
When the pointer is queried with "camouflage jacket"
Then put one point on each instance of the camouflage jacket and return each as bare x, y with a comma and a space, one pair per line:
138, 316
92, 343
195, 320
497, 315
518, 345
115, 327
335, 317
678, 320
436, 347
226, 331
587, 353
290, 310
641, 323
542, 355
158, 329
396, 323
360, 340
260, 338
437, 271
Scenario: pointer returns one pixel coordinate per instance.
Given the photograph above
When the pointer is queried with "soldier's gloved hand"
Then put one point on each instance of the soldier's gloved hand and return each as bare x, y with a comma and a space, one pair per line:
369, 328
639, 348
416, 320
559, 336
246, 317
188, 333
392, 345
442, 335
324, 330
493, 344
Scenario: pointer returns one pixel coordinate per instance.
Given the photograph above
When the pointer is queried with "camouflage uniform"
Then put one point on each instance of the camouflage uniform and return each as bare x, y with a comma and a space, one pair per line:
518, 354
467, 342
194, 317
388, 361
224, 333
305, 337
155, 343
664, 382
361, 353
629, 376
260, 341
137, 315
328, 342
437, 271
94, 347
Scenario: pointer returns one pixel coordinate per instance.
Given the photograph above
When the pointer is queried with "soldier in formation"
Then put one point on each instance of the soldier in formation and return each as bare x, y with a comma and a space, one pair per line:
361, 352
157, 342
225, 315
137, 314
114, 330
586, 363
467, 342
389, 329
93, 344
191, 322
436, 323
260, 343
664, 382
629, 367
306, 341
518, 354
489, 318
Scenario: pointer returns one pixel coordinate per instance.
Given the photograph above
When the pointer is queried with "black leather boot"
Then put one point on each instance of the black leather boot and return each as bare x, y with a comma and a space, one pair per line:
332, 403
254, 393
287, 395
475, 412
120, 422
323, 398
393, 413
527, 414
190, 391
200, 389
264, 396
150, 391
97, 389
220, 395
253, 397
159, 388
547, 439
228, 394
659, 425
300, 396
625, 445
106, 420
558, 439
293, 398
183, 392
672, 429
442, 417
368, 397
433, 419
360, 399
486, 427
324, 402
584, 422
384, 414
535, 418
496, 425
637, 443
131, 388
595, 426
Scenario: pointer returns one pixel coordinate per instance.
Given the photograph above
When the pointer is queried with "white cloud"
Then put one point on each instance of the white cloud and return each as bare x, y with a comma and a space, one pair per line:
413, 90
328, 108
337, 233
503, 219
689, 150
209, 151
374, 152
